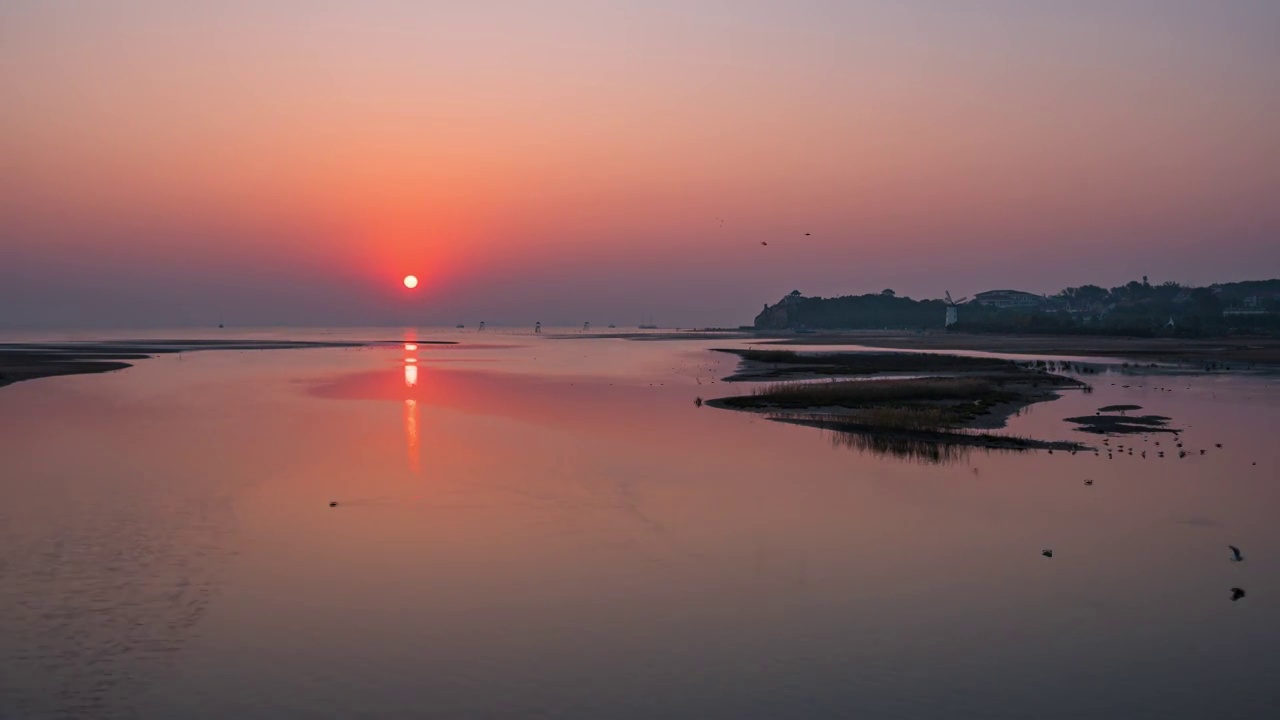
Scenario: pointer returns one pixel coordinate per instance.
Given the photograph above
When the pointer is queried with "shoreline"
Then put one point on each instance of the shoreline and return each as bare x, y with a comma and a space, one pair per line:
1242, 351
17, 367
1259, 353
32, 361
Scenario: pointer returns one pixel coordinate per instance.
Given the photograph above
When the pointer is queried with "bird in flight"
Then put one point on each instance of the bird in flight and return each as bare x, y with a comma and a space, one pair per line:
1047, 553
763, 242
1236, 594
1235, 554
1088, 482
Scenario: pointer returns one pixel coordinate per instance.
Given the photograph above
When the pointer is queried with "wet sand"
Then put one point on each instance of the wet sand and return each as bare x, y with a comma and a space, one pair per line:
31, 361
19, 366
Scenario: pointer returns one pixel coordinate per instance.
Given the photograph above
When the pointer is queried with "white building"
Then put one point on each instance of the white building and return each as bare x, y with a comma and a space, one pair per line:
1011, 299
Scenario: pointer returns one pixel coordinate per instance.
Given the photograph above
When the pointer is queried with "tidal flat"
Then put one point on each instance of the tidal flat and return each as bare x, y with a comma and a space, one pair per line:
911, 397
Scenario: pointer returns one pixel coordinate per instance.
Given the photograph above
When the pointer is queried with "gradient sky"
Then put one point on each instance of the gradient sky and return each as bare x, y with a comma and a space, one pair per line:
167, 163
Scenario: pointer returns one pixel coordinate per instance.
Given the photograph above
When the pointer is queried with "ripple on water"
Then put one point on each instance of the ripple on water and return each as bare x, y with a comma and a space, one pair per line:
98, 600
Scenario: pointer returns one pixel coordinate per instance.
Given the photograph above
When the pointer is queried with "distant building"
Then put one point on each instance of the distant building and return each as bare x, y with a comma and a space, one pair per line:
1011, 299
1254, 305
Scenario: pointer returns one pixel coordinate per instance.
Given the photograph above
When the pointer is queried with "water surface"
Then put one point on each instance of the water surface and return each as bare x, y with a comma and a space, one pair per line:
531, 527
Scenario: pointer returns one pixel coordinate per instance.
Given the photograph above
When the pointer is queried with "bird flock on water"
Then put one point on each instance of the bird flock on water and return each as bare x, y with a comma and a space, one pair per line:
1237, 593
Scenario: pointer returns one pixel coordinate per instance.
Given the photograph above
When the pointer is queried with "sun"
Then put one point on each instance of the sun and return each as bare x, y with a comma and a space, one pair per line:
411, 281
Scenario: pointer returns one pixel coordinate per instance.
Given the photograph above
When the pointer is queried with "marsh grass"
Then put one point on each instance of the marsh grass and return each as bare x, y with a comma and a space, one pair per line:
909, 434
868, 393
867, 363
921, 451
932, 403
929, 409
906, 418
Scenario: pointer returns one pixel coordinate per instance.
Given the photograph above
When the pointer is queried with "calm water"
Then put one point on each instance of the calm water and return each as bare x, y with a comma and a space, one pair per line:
550, 528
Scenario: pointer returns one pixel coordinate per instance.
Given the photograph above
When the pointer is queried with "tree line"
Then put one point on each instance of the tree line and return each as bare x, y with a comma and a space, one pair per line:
1134, 309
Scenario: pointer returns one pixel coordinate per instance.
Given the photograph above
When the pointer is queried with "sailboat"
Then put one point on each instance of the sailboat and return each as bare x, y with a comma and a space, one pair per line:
647, 325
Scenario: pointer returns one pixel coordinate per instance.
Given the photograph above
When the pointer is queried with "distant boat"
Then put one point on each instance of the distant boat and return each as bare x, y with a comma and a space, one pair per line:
802, 330
647, 325
612, 325
459, 326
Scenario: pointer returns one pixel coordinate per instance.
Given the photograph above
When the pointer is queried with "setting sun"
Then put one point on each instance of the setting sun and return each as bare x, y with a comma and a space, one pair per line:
411, 281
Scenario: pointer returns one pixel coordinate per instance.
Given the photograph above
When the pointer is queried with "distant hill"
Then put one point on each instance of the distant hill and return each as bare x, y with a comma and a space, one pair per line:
851, 312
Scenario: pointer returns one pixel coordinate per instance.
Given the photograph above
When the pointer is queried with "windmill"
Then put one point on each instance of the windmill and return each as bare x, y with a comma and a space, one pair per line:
952, 312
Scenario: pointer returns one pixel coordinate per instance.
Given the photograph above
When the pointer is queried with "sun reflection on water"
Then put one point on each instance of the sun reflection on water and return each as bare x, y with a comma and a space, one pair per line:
411, 433
411, 410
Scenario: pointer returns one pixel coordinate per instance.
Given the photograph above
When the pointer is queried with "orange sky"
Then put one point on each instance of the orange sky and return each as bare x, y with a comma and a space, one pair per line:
567, 161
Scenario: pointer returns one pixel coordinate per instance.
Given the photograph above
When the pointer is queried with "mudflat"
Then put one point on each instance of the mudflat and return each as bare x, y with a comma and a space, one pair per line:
1241, 350
950, 399
30, 361
19, 366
